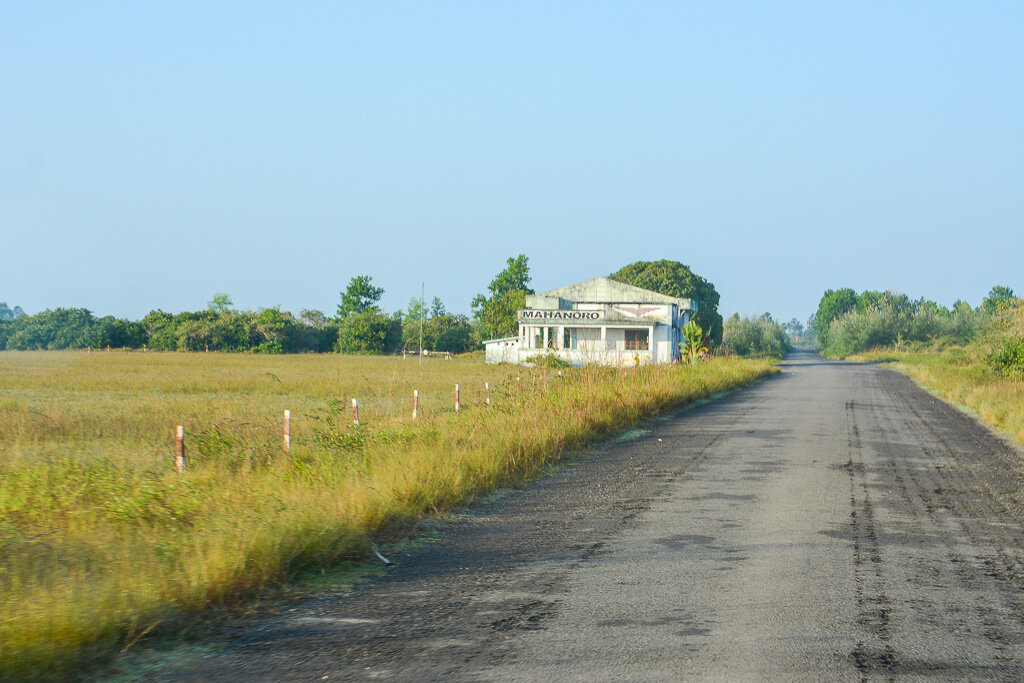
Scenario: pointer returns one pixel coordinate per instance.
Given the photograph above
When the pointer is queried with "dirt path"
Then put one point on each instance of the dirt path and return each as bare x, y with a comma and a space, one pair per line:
833, 522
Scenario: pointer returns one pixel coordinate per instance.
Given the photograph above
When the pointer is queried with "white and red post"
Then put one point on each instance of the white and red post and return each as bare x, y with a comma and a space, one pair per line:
287, 429
179, 454
415, 403
457, 406
355, 411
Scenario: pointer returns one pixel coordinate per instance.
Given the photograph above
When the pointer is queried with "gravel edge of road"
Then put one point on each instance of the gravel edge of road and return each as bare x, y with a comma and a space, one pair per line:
964, 409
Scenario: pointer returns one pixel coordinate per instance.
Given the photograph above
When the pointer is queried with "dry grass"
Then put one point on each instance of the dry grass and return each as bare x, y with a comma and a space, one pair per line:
100, 540
961, 376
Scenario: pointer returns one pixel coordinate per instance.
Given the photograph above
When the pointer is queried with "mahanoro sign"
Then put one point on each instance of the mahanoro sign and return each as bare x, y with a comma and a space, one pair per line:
531, 317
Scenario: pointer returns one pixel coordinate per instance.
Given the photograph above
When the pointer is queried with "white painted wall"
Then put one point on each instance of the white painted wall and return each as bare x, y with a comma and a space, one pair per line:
501, 351
616, 339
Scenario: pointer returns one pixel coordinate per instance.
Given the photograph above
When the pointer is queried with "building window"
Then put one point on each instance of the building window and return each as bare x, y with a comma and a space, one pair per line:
636, 340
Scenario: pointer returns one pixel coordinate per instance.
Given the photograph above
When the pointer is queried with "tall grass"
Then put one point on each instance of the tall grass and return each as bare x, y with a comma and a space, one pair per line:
101, 541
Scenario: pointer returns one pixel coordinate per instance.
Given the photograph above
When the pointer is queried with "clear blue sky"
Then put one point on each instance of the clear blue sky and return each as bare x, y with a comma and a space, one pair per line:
154, 153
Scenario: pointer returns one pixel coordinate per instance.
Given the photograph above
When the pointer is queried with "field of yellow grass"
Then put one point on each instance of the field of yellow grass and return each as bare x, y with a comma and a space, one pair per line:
101, 540
961, 376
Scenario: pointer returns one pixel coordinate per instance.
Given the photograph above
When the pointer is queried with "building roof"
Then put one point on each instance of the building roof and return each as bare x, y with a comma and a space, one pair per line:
606, 290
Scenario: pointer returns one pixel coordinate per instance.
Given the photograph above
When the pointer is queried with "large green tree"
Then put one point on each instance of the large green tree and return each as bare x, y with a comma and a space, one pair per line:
998, 297
370, 331
675, 279
833, 304
360, 296
496, 314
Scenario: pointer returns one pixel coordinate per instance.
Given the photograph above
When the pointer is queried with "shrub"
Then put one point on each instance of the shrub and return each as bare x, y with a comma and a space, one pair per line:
455, 340
860, 331
370, 332
1009, 360
755, 336
550, 361
690, 347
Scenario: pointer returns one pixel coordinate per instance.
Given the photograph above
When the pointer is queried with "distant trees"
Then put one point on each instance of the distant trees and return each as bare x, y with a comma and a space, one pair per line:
8, 313
269, 330
362, 327
847, 322
220, 303
759, 336
442, 331
68, 328
370, 331
359, 324
998, 297
800, 334
675, 279
496, 314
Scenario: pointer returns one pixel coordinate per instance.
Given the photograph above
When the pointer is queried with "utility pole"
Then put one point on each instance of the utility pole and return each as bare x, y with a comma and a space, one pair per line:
422, 290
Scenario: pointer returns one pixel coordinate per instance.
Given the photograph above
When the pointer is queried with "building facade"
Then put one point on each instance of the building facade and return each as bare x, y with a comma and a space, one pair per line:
597, 321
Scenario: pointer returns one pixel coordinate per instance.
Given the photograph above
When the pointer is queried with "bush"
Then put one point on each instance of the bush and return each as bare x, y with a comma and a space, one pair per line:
889, 319
755, 336
455, 340
550, 361
860, 331
1009, 360
269, 330
370, 332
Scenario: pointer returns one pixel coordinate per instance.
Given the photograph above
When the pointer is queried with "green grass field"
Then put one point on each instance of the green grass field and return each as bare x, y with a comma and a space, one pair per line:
101, 541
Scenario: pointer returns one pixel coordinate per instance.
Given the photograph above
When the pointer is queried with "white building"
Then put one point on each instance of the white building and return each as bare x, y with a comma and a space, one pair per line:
597, 321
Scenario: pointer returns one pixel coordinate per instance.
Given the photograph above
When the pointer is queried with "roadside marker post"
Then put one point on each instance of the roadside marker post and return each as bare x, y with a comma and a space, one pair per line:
457, 407
179, 454
487, 388
355, 411
287, 429
415, 403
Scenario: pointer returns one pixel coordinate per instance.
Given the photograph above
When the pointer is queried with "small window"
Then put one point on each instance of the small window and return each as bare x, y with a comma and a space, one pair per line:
636, 340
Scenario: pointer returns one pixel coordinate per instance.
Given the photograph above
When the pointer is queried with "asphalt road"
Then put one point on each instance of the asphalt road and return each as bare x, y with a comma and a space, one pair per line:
834, 522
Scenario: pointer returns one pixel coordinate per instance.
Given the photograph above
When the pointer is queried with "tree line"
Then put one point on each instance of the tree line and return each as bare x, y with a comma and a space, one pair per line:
847, 323
359, 325
756, 335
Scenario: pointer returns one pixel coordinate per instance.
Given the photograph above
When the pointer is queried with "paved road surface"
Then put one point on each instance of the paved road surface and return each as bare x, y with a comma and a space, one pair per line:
834, 522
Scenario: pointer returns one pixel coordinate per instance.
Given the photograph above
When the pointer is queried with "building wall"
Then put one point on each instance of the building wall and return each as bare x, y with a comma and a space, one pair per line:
502, 351
616, 339
622, 307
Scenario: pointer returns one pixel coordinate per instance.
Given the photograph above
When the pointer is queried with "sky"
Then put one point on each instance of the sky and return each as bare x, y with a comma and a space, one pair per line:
154, 153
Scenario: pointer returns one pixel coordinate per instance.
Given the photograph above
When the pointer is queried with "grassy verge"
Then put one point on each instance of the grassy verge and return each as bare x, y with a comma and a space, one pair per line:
961, 376
101, 542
